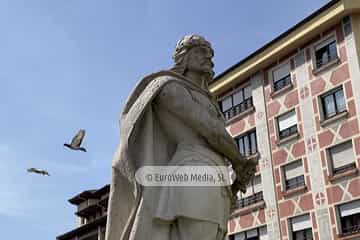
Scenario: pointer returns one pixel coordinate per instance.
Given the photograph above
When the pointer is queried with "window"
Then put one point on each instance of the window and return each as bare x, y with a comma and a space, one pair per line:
301, 227
294, 175
247, 143
253, 234
342, 157
253, 193
287, 124
237, 102
333, 103
325, 52
347, 25
281, 77
349, 214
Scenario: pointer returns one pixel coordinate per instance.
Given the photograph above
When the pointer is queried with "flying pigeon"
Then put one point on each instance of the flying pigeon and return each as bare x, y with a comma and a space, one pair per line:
38, 171
76, 141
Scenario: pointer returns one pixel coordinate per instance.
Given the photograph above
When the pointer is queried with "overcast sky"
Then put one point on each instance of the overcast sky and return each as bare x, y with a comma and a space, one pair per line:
70, 64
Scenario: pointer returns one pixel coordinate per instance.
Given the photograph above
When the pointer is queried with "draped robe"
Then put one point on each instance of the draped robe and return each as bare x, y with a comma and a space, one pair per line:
142, 143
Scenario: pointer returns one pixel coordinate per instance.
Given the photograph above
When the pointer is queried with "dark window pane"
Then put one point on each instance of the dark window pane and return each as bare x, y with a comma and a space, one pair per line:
350, 224
295, 182
305, 234
326, 54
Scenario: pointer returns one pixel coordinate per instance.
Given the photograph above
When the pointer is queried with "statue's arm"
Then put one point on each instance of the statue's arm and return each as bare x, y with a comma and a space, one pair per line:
176, 99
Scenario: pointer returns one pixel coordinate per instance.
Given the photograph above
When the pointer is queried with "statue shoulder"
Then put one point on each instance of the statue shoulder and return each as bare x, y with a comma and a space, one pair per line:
174, 89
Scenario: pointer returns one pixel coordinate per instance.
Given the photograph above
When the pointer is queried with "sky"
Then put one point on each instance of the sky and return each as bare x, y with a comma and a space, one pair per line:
70, 64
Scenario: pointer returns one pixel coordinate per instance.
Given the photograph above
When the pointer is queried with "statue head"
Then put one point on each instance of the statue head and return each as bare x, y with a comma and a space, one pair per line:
194, 53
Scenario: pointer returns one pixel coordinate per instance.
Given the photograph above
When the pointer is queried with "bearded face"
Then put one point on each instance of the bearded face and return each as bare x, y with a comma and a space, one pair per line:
199, 60
194, 53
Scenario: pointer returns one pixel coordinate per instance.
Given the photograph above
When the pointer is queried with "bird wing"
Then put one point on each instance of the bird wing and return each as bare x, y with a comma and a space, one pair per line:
34, 170
44, 172
77, 139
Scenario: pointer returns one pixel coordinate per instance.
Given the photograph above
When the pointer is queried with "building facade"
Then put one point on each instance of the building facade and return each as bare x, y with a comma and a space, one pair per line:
296, 103
90, 215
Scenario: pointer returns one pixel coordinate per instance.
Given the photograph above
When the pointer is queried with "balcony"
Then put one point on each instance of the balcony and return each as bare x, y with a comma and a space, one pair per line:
247, 104
295, 182
282, 83
255, 198
344, 168
288, 132
346, 231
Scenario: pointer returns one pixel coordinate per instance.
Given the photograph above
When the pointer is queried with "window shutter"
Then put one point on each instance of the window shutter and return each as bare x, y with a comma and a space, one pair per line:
287, 120
226, 103
247, 92
238, 97
281, 72
293, 170
342, 154
301, 222
350, 208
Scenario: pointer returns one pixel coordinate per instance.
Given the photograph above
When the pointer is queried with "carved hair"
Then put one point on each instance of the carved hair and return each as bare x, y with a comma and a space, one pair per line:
182, 48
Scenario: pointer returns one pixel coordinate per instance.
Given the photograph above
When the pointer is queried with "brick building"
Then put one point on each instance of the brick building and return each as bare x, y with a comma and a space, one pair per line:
296, 103
90, 215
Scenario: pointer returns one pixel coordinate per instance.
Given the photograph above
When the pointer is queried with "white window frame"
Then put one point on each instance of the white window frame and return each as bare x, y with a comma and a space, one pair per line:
325, 40
338, 214
283, 174
290, 225
329, 157
321, 105
277, 127
278, 67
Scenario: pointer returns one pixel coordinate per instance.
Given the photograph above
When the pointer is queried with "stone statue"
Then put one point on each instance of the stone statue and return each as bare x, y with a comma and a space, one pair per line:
170, 118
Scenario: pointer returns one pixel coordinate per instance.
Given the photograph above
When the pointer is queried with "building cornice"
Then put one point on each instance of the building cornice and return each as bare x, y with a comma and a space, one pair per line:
286, 43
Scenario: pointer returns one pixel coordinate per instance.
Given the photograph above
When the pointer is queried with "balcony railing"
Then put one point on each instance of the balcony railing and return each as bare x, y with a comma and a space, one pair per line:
237, 109
255, 198
350, 230
288, 131
344, 168
295, 182
283, 82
